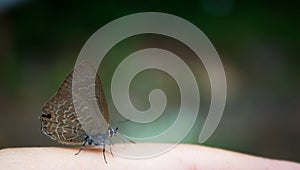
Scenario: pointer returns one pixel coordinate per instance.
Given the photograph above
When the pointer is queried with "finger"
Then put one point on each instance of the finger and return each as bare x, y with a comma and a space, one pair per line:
181, 157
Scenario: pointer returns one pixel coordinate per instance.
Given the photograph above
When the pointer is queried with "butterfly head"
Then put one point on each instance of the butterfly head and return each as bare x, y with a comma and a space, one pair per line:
112, 132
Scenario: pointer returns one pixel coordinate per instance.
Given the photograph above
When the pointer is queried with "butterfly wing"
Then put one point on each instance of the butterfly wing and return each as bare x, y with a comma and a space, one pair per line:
67, 124
59, 119
89, 100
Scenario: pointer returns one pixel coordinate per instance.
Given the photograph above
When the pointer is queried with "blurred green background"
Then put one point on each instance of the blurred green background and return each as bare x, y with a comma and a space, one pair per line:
258, 43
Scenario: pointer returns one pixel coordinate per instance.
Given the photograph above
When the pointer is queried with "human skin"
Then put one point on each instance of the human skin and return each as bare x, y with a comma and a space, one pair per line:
181, 157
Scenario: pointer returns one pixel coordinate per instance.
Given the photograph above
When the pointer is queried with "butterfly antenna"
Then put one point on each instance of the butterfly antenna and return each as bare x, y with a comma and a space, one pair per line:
124, 138
120, 122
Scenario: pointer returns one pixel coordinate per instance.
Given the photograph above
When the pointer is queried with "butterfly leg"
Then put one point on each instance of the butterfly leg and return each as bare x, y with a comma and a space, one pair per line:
104, 153
110, 148
82, 146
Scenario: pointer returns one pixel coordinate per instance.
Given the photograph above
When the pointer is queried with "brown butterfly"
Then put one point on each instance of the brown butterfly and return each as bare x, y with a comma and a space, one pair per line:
81, 117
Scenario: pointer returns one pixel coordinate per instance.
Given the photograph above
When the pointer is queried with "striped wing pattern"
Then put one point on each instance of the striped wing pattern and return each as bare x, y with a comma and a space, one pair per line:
59, 119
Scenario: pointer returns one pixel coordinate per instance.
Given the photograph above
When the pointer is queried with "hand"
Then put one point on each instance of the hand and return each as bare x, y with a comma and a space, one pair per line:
181, 157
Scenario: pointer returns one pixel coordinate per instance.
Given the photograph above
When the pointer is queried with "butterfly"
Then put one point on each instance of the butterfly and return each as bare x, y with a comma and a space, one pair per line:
77, 116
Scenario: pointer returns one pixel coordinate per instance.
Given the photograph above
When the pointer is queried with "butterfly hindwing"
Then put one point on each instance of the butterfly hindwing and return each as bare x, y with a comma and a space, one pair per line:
60, 120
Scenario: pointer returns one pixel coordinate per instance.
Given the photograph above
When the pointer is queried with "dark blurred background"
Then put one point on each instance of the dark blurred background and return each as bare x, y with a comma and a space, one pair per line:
258, 43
